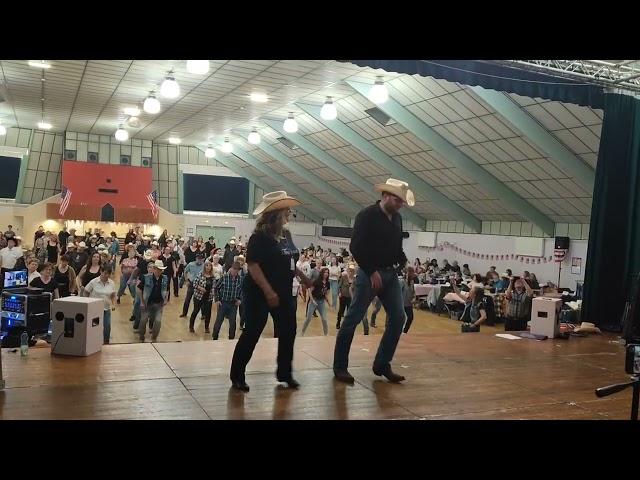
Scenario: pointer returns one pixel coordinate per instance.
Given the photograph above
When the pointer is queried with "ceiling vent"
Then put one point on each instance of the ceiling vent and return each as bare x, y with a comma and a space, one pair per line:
380, 117
288, 143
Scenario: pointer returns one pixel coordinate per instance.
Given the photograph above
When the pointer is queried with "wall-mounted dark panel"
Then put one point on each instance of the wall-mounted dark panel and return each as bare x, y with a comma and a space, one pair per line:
212, 193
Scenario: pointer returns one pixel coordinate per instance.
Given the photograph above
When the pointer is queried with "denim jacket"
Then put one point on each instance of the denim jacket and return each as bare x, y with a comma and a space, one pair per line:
148, 286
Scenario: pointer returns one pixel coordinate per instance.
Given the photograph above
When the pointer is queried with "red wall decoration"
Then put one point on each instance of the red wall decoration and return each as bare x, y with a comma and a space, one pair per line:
93, 185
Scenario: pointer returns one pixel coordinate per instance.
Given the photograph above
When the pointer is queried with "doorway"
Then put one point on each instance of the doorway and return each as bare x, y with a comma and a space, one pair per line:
221, 234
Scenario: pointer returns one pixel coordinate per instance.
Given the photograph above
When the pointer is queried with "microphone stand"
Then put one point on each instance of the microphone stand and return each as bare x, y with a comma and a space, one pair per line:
618, 387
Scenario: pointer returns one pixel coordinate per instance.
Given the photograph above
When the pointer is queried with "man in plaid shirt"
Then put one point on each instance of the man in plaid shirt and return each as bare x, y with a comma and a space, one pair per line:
227, 294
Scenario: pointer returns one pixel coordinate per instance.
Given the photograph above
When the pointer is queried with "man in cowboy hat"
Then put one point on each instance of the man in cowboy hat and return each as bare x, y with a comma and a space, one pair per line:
229, 254
153, 297
376, 245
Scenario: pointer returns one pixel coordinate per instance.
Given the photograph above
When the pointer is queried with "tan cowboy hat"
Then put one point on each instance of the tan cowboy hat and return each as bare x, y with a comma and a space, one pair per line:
399, 189
587, 327
159, 264
82, 245
275, 201
232, 242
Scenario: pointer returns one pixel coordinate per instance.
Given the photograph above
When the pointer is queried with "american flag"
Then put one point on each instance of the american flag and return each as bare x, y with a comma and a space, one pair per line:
66, 198
153, 201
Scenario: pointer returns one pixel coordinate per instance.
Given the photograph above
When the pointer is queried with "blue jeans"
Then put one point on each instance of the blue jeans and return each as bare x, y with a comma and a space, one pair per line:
333, 284
390, 296
311, 307
106, 321
152, 312
124, 283
229, 310
136, 310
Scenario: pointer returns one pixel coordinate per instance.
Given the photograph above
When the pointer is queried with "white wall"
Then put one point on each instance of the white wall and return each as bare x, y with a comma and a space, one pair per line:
488, 245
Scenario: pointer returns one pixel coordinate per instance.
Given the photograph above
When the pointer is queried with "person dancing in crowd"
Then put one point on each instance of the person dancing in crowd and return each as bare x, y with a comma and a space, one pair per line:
171, 270
228, 297
318, 301
203, 294
65, 277
191, 271
46, 282
128, 264
271, 259
334, 276
90, 271
408, 296
344, 286
376, 245
153, 298
104, 288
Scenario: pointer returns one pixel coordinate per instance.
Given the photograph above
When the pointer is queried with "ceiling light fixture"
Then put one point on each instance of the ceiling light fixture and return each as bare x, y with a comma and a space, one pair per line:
170, 87
133, 122
44, 125
210, 152
290, 125
259, 97
132, 111
254, 137
151, 104
378, 93
198, 67
121, 134
226, 146
39, 64
328, 110
174, 140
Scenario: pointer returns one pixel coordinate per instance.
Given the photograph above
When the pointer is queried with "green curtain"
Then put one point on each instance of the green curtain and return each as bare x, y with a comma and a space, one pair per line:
613, 255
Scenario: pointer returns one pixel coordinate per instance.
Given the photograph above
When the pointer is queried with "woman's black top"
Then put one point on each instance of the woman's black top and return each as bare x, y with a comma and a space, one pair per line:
47, 287
87, 276
62, 280
168, 262
190, 255
277, 259
320, 290
52, 253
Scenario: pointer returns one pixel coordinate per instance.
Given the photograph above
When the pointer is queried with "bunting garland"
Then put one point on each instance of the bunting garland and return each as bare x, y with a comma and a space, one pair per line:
486, 256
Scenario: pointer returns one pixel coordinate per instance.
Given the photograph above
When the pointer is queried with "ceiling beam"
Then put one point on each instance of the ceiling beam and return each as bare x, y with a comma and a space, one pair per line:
461, 161
400, 172
338, 167
227, 161
295, 167
302, 194
541, 138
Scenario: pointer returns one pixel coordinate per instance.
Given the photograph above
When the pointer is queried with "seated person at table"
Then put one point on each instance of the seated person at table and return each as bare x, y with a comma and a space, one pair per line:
531, 280
519, 295
465, 270
445, 266
477, 312
492, 277
502, 283
455, 268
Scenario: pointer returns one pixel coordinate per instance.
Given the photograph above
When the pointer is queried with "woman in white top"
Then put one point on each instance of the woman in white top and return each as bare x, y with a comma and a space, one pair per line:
334, 276
103, 287
32, 269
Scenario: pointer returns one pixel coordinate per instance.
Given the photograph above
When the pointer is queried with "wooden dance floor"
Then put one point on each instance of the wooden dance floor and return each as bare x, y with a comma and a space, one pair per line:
449, 376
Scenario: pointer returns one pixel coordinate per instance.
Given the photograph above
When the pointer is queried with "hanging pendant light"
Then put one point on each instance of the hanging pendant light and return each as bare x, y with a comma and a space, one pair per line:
198, 67
328, 110
226, 146
290, 125
254, 137
169, 87
121, 134
210, 152
151, 104
378, 93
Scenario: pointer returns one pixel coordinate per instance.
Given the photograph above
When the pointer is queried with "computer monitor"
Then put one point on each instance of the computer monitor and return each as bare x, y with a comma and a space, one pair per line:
15, 279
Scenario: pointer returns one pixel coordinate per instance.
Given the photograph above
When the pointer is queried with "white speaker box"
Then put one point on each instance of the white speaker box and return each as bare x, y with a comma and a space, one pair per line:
77, 326
545, 316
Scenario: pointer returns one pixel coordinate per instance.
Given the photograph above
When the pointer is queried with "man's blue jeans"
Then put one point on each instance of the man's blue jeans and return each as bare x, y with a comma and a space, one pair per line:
391, 297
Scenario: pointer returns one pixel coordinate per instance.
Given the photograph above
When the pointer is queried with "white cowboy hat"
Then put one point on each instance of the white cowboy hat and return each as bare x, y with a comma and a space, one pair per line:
232, 242
159, 264
147, 255
399, 189
587, 327
275, 201
102, 247
154, 243
82, 245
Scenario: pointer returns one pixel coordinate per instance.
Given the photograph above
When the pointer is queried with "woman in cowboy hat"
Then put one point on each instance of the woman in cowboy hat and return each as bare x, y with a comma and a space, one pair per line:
376, 245
271, 260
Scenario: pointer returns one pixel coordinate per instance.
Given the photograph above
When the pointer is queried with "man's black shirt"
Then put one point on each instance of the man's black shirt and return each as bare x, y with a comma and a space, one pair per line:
377, 242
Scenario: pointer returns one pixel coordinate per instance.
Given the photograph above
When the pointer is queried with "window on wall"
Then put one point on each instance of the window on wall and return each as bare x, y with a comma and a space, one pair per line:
9, 178
211, 193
